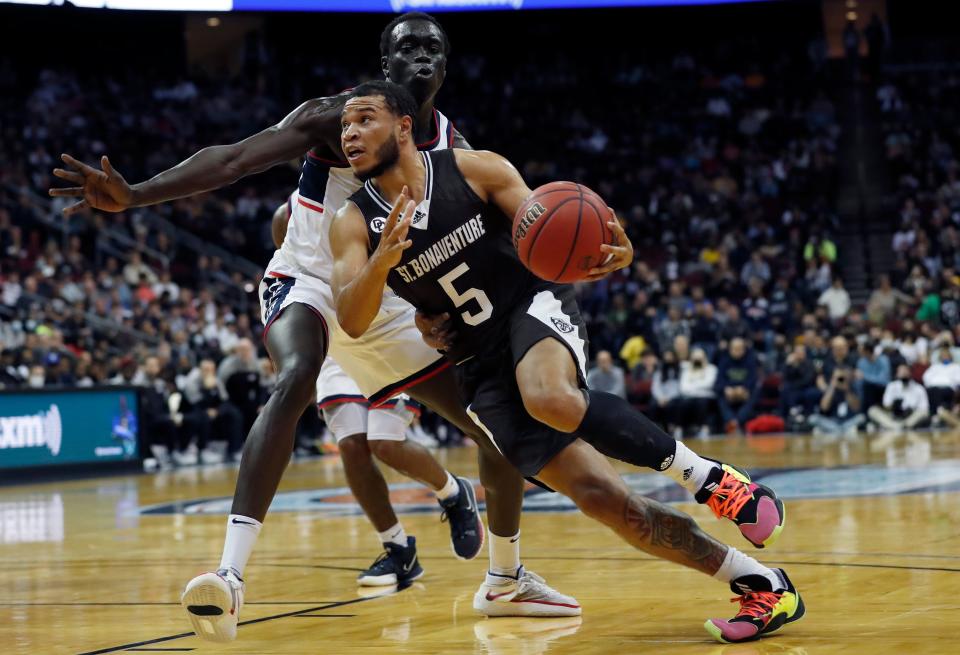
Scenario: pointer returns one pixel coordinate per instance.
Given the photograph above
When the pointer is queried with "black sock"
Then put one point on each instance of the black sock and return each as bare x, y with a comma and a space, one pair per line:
616, 429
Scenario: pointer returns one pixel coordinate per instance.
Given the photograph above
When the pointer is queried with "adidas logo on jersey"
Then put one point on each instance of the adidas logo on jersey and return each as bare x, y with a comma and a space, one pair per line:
421, 215
561, 325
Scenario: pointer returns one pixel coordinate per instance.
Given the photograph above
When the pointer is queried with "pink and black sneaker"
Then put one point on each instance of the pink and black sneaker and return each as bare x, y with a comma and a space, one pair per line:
763, 609
755, 509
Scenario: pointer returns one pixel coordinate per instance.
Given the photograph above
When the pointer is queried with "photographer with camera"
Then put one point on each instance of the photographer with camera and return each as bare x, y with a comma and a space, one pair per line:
840, 405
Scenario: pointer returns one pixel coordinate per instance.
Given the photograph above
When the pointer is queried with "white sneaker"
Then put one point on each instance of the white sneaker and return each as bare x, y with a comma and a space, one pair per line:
213, 602
162, 455
188, 457
211, 456
526, 595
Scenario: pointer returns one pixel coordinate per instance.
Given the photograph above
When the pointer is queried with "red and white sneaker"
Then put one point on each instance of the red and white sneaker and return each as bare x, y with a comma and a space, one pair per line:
525, 595
755, 509
213, 602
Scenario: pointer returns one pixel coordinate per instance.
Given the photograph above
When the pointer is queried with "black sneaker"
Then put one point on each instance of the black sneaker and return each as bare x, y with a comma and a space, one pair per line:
466, 526
396, 565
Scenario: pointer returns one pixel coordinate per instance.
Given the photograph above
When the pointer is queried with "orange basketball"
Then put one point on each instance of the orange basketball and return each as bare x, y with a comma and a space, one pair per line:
559, 230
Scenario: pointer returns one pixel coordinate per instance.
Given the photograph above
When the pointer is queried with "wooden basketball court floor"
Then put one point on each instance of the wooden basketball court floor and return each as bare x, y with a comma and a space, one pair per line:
872, 541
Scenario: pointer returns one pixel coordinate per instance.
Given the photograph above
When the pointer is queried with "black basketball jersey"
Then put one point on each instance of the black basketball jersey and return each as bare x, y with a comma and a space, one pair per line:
462, 260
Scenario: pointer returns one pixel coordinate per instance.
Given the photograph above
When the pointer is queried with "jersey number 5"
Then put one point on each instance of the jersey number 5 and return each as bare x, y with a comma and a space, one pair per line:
460, 299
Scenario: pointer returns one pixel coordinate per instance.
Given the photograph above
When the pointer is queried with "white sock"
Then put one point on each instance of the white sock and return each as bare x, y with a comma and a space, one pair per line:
736, 564
688, 469
394, 535
449, 490
504, 554
242, 533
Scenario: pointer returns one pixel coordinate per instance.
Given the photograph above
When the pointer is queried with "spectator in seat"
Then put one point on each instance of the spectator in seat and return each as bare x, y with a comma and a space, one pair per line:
135, 270
836, 300
240, 375
756, 267
884, 301
800, 393
942, 379
756, 311
640, 380
734, 327
839, 357
155, 415
905, 404
913, 346
666, 392
874, 373
606, 376
839, 407
705, 327
681, 348
736, 387
782, 301
206, 403
698, 377
670, 327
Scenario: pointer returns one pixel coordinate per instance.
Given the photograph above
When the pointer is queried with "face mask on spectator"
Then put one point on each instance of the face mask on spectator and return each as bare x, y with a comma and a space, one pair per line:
904, 378
35, 381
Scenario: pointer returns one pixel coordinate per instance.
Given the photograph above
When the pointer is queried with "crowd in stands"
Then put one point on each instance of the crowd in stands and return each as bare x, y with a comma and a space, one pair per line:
723, 168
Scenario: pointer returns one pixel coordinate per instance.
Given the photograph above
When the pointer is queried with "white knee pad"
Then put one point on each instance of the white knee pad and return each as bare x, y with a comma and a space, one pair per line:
346, 419
389, 423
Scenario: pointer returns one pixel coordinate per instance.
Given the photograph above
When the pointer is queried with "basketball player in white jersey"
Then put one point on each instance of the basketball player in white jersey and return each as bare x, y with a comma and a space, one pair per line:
362, 432
300, 324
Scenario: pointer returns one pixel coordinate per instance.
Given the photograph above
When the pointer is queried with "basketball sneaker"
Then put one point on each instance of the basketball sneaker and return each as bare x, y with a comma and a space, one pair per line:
756, 510
466, 526
762, 609
527, 594
213, 602
396, 565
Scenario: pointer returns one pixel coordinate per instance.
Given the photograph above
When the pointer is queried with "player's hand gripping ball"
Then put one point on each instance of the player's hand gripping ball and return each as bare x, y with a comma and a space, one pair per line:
565, 232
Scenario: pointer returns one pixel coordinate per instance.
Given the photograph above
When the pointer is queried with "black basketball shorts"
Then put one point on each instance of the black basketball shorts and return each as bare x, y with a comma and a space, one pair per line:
488, 381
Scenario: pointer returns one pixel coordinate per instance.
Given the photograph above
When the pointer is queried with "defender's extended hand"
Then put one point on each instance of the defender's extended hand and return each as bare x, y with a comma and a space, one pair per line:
101, 189
620, 255
394, 240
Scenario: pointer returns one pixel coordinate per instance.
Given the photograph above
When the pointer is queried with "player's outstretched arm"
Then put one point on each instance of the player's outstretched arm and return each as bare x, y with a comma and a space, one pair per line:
358, 278
313, 123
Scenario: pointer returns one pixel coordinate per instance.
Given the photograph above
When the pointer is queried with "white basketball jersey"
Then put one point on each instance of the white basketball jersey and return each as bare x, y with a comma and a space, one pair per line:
324, 188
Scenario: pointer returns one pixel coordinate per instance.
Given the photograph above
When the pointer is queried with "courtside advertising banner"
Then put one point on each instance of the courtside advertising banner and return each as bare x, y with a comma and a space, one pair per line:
68, 427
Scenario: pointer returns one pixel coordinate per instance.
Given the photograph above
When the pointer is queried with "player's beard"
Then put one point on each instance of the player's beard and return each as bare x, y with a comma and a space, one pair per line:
387, 154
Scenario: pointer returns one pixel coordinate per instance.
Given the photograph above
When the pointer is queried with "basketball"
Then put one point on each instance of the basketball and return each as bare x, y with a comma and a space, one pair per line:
558, 231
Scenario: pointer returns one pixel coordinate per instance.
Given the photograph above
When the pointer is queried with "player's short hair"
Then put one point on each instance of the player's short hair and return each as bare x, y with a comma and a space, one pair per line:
403, 18
399, 101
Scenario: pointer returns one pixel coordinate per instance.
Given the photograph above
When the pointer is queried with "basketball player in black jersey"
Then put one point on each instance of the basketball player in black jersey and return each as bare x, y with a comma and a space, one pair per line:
414, 51
435, 227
